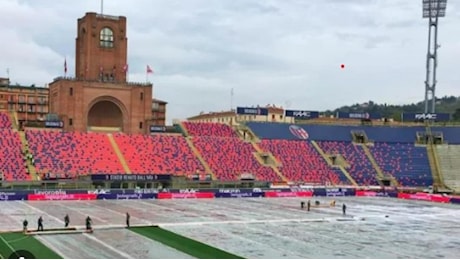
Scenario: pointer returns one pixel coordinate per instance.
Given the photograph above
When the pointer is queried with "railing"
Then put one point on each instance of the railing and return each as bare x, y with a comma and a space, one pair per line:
102, 81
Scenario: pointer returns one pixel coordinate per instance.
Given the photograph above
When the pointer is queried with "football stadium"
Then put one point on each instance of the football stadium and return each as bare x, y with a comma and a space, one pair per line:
95, 172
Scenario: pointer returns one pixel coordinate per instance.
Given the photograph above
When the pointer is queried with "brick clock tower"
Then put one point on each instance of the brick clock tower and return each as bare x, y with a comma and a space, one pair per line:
99, 98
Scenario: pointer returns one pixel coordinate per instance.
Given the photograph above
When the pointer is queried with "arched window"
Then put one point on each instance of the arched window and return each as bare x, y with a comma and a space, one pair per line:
106, 38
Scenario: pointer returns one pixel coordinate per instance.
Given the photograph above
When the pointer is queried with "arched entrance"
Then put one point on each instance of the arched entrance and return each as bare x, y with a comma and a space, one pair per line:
105, 115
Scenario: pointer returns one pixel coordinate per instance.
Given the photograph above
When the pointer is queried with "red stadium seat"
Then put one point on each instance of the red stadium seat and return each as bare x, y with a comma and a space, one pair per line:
209, 129
73, 153
12, 163
5, 122
361, 169
230, 157
159, 154
301, 162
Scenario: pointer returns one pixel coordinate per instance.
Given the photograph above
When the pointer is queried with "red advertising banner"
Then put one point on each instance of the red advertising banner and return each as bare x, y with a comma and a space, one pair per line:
274, 194
61, 196
193, 195
425, 197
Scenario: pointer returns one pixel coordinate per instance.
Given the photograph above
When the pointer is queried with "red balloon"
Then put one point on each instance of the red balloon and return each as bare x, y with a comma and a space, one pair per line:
342, 66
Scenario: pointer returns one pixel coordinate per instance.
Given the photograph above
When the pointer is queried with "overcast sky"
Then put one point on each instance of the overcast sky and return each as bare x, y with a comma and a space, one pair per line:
284, 52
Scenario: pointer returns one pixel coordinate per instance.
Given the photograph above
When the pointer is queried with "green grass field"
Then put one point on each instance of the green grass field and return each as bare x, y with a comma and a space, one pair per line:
184, 244
11, 242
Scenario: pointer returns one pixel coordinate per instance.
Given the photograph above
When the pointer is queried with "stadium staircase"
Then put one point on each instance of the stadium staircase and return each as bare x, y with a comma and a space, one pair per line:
433, 159
272, 161
449, 163
380, 174
119, 154
183, 129
434, 165
250, 135
14, 119
198, 155
342, 166
28, 157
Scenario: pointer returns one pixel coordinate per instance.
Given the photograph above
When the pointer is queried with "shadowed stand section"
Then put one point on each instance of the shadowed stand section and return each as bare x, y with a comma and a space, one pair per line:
181, 243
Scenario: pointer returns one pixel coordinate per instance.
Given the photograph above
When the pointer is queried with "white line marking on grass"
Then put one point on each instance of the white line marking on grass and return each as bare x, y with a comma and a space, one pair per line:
7, 244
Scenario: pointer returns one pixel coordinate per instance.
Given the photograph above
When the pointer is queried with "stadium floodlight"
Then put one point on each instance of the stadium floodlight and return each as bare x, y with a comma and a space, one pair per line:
432, 9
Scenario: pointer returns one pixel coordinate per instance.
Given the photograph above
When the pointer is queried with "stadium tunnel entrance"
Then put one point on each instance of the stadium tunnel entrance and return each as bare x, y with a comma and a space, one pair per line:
106, 115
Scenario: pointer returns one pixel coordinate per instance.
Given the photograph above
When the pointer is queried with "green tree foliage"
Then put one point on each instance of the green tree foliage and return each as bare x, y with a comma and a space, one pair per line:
447, 104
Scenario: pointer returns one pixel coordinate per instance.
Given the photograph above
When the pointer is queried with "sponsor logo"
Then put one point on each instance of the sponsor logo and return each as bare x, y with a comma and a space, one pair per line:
100, 191
50, 192
359, 115
336, 192
188, 191
251, 111
145, 191
426, 116
298, 132
129, 196
229, 190
301, 114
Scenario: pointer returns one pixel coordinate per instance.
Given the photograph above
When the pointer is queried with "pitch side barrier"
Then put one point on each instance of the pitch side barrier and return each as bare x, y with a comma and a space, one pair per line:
137, 194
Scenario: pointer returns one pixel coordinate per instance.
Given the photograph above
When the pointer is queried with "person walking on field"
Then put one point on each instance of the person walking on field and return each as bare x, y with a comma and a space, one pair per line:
66, 220
40, 224
344, 209
24, 225
127, 219
88, 224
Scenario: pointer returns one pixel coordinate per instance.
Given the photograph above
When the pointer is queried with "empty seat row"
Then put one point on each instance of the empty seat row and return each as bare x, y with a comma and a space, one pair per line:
209, 129
12, 164
5, 122
159, 154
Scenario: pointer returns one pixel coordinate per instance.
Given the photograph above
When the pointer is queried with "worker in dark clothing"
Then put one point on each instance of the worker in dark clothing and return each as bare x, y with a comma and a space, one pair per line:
127, 219
88, 224
302, 204
308, 205
344, 209
24, 225
40, 224
66, 220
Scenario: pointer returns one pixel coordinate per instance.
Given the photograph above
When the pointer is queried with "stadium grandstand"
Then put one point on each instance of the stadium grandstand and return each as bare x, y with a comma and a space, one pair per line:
124, 133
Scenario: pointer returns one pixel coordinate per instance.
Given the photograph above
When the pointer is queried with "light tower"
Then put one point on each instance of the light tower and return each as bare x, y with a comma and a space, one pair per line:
432, 9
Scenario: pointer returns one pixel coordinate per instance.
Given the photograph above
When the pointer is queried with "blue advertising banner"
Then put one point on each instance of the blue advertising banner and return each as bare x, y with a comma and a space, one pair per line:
239, 195
455, 200
157, 129
358, 115
130, 177
252, 111
5, 196
302, 114
439, 117
54, 124
133, 196
334, 192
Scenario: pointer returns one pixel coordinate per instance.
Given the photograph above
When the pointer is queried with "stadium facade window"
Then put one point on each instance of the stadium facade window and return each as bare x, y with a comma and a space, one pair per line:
106, 38
142, 96
70, 121
71, 91
140, 125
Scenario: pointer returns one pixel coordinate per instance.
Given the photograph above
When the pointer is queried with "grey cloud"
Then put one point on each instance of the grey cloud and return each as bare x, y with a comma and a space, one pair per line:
269, 51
